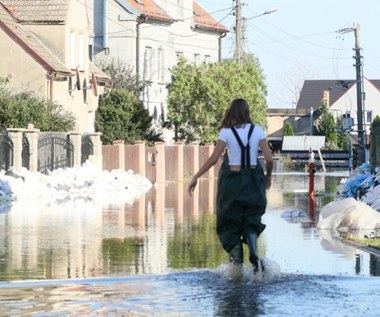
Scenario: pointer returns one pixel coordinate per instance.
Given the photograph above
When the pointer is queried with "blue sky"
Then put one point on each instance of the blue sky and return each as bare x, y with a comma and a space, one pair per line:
300, 40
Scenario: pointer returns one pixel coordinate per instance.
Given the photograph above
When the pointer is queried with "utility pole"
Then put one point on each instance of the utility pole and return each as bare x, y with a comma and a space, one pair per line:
238, 54
311, 120
359, 91
359, 95
239, 29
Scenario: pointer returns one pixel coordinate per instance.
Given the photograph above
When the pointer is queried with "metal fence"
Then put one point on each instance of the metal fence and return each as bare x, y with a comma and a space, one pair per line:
54, 151
87, 148
25, 154
46, 151
6, 152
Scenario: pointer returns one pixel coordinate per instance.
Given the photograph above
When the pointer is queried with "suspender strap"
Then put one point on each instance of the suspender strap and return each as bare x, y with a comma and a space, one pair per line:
245, 150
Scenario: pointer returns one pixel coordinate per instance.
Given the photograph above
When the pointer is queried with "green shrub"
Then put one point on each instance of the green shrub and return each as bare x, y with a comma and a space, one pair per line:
19, 109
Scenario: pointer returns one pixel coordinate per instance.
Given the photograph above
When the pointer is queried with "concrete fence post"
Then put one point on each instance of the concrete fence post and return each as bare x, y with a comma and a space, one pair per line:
76, 141
97, 144
121, 154
160, 162
16, 137
210, 149
195, 159
180, 159
32, 136
141, 157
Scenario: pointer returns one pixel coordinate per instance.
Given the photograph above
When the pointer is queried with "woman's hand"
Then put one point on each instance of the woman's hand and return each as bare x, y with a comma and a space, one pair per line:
268, 181
211, 161
192, 185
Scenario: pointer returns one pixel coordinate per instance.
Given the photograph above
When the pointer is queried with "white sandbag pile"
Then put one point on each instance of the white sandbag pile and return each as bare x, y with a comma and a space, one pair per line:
86, 182
348, 214
363, 186
5, 191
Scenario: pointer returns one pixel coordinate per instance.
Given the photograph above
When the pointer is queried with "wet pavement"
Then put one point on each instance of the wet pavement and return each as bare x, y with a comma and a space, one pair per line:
160, 257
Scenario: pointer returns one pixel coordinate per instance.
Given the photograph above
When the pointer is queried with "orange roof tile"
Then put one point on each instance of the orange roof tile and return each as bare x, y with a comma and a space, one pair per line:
27, 11
205, 21
151, 10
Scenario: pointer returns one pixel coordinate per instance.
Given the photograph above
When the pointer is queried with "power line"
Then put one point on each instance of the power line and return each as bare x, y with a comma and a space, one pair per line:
163, 42
292, 48
301, 37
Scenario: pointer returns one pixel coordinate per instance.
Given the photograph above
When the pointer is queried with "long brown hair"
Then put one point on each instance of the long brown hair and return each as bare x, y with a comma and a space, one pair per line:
237, 114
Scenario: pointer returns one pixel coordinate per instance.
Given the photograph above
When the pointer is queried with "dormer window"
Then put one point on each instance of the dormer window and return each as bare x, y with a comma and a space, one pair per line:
139, 2
77, 50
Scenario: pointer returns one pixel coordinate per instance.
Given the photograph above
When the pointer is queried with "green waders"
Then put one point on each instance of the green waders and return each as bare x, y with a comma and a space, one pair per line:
241, 202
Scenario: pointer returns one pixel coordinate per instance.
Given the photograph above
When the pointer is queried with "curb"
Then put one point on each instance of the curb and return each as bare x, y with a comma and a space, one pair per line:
370, 250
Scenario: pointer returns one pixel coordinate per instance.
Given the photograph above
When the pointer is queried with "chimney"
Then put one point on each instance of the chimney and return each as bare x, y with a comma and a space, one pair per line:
326, 98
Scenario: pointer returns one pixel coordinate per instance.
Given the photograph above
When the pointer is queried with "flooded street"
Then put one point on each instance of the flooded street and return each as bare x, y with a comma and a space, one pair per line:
160, 256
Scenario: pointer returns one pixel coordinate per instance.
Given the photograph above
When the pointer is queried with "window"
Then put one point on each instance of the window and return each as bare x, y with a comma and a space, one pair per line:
163, 114
90, 53
207, 59
148, 64
73, 50
81, 51
160, 65
369, 116
197, 59
180, 8
178, 55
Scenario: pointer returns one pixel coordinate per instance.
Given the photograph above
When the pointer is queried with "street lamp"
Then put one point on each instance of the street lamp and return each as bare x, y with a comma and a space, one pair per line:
269, 11
239, 29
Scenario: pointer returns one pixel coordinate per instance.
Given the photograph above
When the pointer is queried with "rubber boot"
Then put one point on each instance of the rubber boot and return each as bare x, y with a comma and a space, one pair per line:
252, 246
236, 254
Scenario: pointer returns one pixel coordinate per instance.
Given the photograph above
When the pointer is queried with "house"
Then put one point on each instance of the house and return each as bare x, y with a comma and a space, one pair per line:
277, 118
339, 95
341, 98
44, 48
149, 37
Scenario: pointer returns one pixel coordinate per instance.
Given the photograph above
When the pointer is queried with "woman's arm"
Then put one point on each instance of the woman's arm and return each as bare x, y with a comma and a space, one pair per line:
211, 161
268, 162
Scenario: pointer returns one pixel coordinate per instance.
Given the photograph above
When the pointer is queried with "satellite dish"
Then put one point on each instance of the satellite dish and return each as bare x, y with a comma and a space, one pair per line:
70, 81
94, 85
78, 78
84, 90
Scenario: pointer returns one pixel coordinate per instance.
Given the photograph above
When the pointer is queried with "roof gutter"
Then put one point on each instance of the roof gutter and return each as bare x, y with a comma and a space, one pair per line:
140, 20
25, 47
105, 24
223, 35
30, 52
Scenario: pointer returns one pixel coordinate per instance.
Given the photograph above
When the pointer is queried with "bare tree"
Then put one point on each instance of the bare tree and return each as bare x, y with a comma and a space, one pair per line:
290, 85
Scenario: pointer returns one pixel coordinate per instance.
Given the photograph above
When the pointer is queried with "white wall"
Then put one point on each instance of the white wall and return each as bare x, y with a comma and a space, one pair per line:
160, 43
348, 103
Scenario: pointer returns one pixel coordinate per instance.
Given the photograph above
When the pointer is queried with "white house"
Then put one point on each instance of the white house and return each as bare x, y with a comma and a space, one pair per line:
149, 36
341, 97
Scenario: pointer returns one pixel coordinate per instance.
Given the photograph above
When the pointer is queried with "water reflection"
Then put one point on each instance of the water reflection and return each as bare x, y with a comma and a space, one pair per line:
374, 265
50, 241
168, 230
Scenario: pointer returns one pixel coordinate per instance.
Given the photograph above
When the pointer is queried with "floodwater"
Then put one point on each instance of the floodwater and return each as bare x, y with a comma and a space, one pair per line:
160, 256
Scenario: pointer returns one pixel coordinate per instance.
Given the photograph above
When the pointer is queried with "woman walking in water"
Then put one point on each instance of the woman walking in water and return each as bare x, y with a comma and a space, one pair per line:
242, 184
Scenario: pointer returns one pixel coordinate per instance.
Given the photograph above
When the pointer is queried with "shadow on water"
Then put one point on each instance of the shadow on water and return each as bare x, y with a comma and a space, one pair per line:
160, 256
